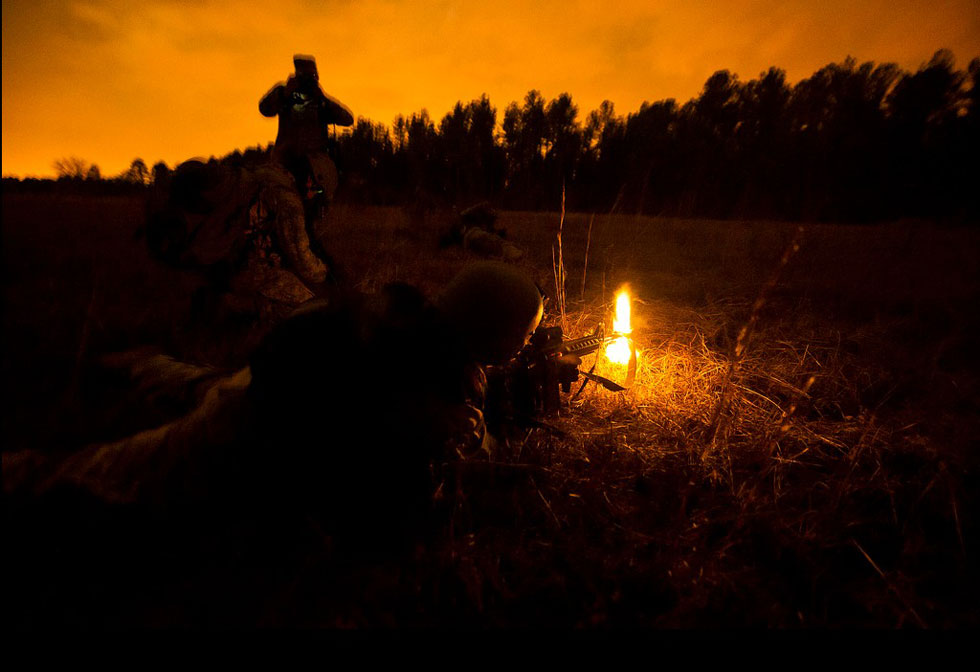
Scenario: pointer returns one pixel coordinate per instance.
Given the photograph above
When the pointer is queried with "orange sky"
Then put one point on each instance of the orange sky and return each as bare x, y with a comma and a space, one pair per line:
109, 80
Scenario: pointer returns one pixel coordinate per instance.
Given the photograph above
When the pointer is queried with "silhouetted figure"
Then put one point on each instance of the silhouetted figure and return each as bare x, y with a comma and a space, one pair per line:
476, 230
305, 112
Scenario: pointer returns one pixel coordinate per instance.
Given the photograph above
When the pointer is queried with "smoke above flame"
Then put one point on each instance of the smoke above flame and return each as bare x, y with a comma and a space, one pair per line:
618, 351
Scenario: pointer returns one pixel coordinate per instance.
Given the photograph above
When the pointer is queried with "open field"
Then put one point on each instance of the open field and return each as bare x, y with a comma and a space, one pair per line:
819, 470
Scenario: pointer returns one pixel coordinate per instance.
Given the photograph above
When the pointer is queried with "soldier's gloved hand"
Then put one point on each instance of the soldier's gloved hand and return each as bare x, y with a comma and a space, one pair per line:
568, 370
466, 430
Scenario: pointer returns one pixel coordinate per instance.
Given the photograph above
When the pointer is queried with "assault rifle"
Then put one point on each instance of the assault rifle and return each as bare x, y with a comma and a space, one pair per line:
528, 387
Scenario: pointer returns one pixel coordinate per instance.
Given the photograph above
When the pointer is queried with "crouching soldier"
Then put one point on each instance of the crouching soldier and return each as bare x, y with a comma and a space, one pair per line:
343, 414
244, 230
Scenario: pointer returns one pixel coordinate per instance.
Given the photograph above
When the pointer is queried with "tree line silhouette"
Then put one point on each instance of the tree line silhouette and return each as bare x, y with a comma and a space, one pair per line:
852, 142
75, 174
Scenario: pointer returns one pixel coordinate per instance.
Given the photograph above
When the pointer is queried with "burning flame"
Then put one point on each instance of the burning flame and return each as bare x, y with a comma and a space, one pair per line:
619, 350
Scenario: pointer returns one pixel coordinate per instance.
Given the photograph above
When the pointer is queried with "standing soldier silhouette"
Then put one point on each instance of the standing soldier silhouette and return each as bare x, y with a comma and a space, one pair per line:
305, 112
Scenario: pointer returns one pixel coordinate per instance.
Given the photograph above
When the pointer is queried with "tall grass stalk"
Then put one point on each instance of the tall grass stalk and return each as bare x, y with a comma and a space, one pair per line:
585, 267
741, 343
558, 265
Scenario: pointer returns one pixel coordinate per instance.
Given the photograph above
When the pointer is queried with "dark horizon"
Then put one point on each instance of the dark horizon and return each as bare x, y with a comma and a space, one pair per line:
167, 81
852, 142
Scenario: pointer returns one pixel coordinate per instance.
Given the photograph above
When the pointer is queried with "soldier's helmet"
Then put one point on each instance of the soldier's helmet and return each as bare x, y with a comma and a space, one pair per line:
194, 190
199, 186
494, 307
305, 66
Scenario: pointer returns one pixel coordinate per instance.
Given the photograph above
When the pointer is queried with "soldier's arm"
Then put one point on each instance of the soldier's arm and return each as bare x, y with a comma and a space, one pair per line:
271, 103
162, 381
152, 467
334, 111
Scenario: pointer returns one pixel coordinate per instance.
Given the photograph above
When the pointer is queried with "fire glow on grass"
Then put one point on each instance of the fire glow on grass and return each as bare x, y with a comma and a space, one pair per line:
618, 351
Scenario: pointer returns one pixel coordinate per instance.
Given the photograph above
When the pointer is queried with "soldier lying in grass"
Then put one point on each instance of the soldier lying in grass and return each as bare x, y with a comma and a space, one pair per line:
476, 230
344, 414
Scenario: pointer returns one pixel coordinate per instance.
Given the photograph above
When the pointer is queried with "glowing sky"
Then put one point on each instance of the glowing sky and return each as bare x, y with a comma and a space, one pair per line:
109, 80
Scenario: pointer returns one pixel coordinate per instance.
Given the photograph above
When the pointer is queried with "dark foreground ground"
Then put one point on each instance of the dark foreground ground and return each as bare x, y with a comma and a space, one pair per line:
826, 476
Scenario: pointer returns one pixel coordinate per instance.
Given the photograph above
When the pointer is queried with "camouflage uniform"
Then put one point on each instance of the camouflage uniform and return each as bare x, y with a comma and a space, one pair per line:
253, 230
346, 412
476, 230
243, 228
277, 224
175, 466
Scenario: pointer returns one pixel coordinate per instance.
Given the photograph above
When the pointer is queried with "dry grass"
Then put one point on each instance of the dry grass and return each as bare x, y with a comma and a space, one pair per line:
818, 477
818, 471
767, 513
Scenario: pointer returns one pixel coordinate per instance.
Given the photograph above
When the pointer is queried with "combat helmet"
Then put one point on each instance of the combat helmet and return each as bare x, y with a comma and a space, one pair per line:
177, 209
494, 307
305, 66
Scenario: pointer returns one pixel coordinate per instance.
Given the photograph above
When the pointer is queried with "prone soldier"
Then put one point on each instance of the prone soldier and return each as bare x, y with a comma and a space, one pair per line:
344, 413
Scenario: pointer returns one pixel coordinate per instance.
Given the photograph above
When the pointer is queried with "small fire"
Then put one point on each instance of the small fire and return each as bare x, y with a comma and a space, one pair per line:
619, 350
